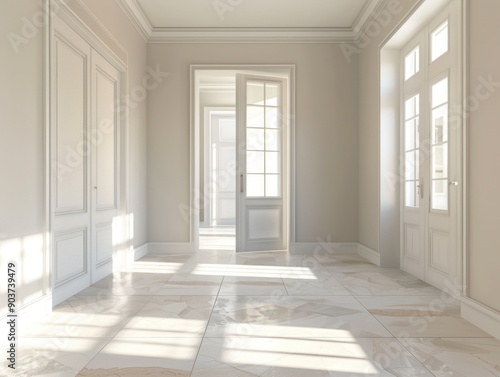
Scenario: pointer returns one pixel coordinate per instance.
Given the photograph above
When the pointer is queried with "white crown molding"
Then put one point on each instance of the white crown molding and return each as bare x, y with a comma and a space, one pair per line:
368, 16
134, 13
251, 35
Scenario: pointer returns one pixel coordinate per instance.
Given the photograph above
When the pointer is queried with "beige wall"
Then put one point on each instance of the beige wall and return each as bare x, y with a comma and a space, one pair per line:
369, 170
22, 217
326, 133
484, 174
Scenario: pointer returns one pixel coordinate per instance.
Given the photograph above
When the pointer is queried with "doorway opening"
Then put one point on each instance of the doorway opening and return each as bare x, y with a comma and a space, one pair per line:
241, 132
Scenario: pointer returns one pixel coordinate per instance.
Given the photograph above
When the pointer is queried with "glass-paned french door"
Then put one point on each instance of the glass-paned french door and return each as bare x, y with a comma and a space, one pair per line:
261, 101
430, 150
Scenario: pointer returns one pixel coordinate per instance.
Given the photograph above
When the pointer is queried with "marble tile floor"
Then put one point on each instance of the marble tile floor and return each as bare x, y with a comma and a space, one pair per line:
257, 314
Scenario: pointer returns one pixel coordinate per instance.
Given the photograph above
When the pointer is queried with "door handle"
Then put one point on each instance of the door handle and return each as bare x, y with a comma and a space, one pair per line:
242, 182
420, 188
455, 183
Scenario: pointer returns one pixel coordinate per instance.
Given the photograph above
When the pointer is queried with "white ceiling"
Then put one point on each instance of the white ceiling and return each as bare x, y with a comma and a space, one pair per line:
254, 13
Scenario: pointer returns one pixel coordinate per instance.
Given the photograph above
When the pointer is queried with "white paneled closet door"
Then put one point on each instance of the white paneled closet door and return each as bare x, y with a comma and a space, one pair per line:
104, 164
84, 129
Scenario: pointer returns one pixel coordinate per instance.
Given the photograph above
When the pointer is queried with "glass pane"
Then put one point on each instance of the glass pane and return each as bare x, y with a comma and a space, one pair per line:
255, 93
273, 140
272, 185
410, 167
412, 63
255, 185
440, 161
440, 125
412, 107
255, 162
440, 195
273, 162
410, 193
439, 41
410, 135
255, 139
272, 93
255, 116
272, 118
440, 93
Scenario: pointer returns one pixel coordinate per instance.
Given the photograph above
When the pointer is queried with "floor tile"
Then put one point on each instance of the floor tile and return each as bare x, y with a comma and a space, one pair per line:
191, 285
252, 286
420, 316
345, 357
321, 284
385, 282
127, 284
170, 316
86, 317
295, 317
133, 357
55, 357
457, 357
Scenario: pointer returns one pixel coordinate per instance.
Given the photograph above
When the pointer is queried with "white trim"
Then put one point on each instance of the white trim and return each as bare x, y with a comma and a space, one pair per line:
351, 34
369, 254
171, 247
481, 316
328, 247
252, 35
134, 13
113, 51
139, 252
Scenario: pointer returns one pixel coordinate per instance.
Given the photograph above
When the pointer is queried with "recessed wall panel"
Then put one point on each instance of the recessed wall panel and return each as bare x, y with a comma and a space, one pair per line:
71, 125
70, 253
104, 138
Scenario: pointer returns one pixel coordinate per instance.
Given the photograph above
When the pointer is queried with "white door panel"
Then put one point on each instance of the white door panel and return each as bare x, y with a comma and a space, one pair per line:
70, 173
105, 132
262, 140
84, 190
431, 143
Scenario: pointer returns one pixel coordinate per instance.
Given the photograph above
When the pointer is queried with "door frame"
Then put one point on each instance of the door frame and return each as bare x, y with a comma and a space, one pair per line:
114, 53
283, 70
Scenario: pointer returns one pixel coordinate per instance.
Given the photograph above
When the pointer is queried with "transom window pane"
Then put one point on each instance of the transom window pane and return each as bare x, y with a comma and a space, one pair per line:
264, 139
412, 63
439, 41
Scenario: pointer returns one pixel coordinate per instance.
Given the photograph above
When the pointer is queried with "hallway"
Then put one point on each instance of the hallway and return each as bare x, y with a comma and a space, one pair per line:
258, 314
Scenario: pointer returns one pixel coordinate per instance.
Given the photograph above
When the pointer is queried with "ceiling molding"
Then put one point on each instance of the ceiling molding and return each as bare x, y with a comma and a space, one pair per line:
134, 13
366, 16
251, 35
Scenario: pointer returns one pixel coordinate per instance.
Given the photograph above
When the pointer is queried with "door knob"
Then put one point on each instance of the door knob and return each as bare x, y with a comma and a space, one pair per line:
455, 183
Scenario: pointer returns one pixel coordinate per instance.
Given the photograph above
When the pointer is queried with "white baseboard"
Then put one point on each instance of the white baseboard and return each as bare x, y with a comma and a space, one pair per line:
323, 247
140, 251
170, 248
369, 254
481, 316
